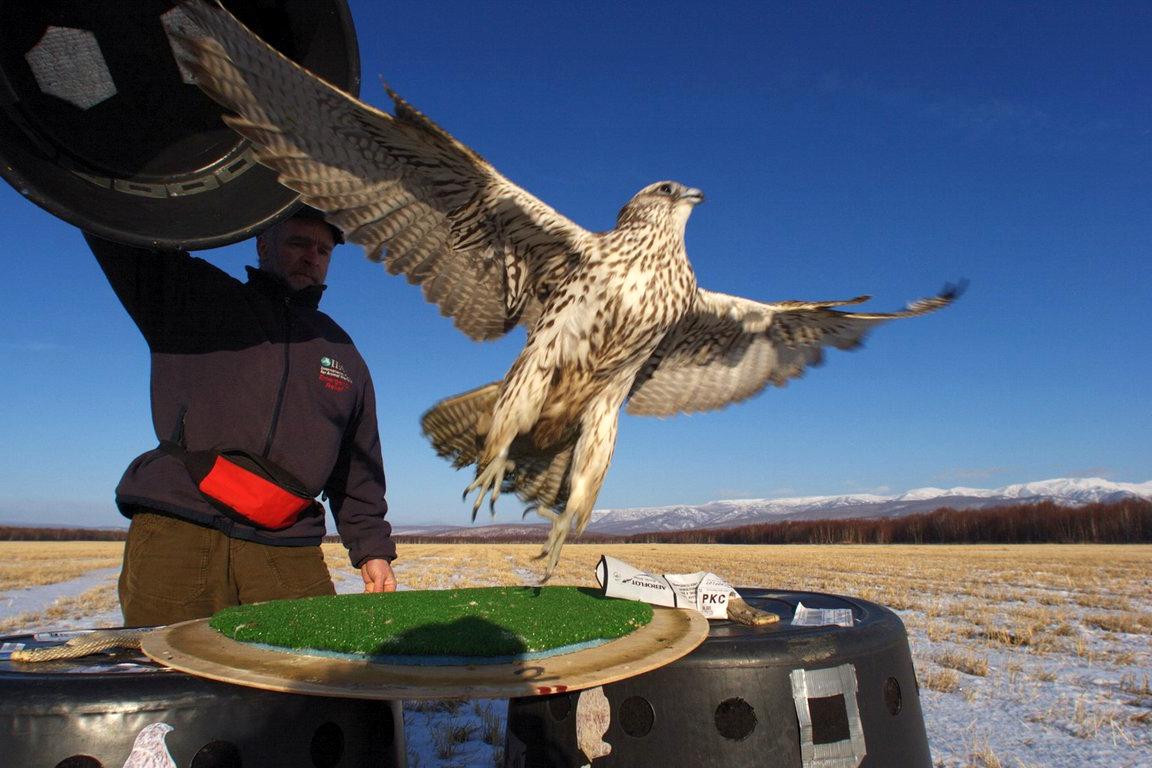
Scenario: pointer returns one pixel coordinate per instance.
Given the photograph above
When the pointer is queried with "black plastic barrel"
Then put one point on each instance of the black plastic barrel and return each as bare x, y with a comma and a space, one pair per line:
778, 696
92, 712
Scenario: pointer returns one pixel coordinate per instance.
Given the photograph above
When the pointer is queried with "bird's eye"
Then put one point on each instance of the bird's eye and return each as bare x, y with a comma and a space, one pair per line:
665, 189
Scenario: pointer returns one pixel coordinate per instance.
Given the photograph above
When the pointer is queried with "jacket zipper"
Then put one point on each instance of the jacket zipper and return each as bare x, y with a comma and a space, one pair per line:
283, 380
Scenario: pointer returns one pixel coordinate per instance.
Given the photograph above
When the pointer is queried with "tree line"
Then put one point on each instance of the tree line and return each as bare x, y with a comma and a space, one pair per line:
34, 533
1120, 522
1045, 522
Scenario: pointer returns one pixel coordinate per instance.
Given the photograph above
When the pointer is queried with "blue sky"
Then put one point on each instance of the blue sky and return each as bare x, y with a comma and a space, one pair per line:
844, 148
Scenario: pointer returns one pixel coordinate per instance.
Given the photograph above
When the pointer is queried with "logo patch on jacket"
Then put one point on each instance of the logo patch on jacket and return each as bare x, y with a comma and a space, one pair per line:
333, 376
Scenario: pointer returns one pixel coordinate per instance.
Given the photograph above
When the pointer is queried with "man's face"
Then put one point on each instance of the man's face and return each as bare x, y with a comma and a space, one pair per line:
298, 251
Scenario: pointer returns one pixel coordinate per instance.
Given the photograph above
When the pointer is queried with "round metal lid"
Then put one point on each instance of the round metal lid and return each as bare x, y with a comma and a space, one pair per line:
101, 127
195, 648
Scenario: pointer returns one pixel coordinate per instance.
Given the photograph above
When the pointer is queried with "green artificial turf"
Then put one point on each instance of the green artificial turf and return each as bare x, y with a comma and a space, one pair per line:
480, 622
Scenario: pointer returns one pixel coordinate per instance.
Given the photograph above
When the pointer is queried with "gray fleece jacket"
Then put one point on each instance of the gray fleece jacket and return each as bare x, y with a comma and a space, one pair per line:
252, 366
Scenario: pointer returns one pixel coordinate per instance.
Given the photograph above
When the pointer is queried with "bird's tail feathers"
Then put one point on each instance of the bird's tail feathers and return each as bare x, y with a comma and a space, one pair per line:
457, 427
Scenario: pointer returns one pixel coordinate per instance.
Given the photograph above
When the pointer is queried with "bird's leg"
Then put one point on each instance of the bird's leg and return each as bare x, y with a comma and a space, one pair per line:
557, 534
517, 408
489, 478
575, 515
593, 454
590, 460
545, 512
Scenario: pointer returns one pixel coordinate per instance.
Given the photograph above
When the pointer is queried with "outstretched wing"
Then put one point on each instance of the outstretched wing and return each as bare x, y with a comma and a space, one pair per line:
432, 209
727, 349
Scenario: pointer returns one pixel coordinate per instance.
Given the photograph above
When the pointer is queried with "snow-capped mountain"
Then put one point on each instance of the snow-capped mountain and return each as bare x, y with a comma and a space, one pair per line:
732, 513
727, 514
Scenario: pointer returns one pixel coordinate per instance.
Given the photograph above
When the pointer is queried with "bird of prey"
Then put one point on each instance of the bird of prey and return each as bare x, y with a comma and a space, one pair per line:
612, 318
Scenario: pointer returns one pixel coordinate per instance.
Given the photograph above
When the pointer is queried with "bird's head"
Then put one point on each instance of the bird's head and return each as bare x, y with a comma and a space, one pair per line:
661, 203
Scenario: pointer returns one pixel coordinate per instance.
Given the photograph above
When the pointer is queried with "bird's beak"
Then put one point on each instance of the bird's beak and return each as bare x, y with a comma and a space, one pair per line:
693, 196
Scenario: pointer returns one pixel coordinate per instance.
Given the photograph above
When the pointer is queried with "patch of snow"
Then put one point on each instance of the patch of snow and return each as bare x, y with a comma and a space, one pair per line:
39, 598
1033, 708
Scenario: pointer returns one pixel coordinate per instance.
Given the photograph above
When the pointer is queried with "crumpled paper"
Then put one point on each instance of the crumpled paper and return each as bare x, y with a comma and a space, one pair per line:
706, 592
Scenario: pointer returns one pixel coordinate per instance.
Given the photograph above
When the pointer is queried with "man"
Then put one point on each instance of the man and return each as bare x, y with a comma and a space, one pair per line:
252, 367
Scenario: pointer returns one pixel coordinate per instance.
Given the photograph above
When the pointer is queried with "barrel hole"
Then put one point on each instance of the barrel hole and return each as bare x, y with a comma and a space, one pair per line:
79, 761
559, 706
327, 746
829, 719
636, 716
217, 754
735, 719
893, 697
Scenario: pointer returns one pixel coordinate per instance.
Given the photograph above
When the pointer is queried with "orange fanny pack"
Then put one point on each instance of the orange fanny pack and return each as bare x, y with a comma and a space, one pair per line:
245, 487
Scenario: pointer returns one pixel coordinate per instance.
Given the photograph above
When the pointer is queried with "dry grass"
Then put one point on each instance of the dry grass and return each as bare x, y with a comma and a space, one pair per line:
450, 736
1061, 630
942, 680
982, 756
985, 622
1108, 602
963, 661
1140, 685
35, 563
491, 723
1129, 623
904, 577
1040, 588
1087, 720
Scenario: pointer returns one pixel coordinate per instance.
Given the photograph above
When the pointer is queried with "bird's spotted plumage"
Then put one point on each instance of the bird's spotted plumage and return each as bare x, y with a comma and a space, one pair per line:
611, 317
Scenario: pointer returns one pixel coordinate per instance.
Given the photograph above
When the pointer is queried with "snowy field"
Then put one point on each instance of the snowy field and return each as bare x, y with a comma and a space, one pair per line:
1027, 657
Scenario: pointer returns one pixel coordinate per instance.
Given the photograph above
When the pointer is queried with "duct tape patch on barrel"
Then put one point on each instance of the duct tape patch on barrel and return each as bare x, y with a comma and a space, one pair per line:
831, 732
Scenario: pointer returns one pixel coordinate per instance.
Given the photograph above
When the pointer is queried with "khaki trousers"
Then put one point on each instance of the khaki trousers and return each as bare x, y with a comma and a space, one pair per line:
175, 571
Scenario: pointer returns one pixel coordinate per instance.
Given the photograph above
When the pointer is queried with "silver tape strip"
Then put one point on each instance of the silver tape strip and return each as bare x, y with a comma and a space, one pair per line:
205, 182
823, 683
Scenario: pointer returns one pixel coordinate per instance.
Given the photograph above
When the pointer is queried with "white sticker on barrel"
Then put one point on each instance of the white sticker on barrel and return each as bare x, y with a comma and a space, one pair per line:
831, 734
819, 617
149, 749
593, 715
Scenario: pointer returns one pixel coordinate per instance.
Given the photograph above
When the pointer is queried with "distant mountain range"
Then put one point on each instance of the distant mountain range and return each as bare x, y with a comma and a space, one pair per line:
732, 513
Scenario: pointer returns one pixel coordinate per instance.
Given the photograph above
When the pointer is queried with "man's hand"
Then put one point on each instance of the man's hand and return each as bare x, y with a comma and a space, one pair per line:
378, 576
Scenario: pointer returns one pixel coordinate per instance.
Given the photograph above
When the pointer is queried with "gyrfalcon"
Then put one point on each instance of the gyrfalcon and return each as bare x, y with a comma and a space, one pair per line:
612, 318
